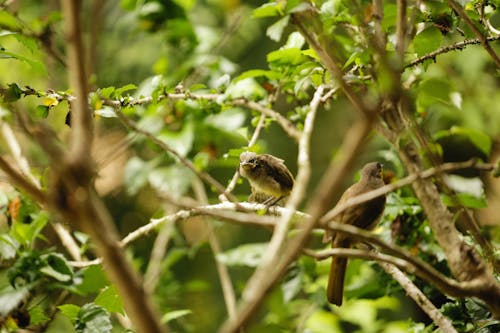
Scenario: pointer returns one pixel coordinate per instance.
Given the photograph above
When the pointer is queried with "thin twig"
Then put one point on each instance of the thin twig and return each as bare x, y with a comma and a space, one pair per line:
153, 271
225, 211
445, 49
224, 277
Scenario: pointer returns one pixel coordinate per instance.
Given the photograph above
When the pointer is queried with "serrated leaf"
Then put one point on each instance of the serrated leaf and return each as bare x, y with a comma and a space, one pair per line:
93, 280
70, 310
171, 315
244, 255
427, 40
110, 300
93, 319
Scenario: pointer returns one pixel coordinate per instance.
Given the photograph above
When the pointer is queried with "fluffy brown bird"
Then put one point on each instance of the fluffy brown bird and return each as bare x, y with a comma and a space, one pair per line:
269, 178
364, 215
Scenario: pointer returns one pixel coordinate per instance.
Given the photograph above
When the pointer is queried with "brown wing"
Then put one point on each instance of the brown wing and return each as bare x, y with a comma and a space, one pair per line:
278, 171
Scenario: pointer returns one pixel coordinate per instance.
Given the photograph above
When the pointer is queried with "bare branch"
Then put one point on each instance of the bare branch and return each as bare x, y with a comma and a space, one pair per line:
419, 297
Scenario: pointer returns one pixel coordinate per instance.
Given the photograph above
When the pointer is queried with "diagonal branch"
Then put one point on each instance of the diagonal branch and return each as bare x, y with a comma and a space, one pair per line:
484, 41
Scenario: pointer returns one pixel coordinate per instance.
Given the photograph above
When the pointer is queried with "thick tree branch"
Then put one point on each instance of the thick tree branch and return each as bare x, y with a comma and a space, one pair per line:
73, 193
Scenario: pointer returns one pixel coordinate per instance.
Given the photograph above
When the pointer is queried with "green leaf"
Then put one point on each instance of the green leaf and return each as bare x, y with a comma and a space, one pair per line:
428, 40
465, 200
137, 172
477, 138
291, 56
169, 316
12, 93
93, 319
93, 280
180, 141
8, 247
119, 91
8, 21
269, 74
106, 92
37, 315
275, 31
244, 255
70, 310
37, 66
110, 300
174, 180
269, 9
42, 111
57, 267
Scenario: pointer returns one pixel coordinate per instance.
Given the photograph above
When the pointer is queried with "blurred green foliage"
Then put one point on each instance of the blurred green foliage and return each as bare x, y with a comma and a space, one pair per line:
233, 49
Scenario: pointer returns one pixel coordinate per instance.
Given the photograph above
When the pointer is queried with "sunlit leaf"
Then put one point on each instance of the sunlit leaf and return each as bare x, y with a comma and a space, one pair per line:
269, 9
275, 31
428, 40
110, 300
70, 310
42, 111
465, 200
269, 74
172, 315
8, 21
